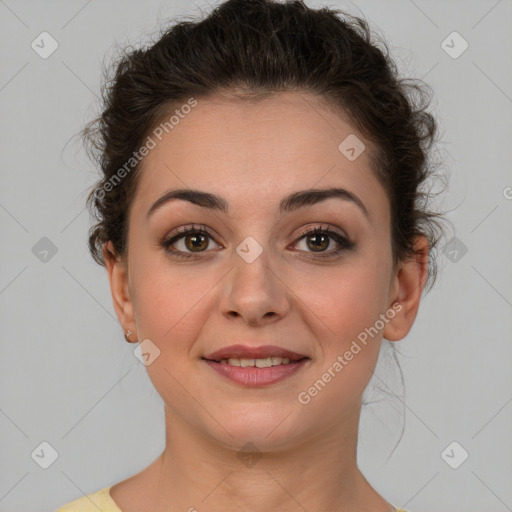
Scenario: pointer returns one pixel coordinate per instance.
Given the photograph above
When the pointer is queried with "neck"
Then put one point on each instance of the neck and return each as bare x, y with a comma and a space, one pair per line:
196, 473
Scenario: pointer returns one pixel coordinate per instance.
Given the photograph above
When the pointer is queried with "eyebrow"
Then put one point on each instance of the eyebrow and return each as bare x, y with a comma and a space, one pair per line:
292, 202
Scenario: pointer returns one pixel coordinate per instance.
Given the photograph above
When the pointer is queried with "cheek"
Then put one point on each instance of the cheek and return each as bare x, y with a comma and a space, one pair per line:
344, 308
345, 300
171, 307
171, 301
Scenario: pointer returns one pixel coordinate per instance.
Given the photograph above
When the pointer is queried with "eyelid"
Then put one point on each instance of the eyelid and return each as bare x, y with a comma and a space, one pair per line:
343, 241
323, 227
332, 232
183, 231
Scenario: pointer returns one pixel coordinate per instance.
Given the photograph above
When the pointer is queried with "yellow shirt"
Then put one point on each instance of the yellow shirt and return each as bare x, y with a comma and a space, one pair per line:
102, 501
95, 502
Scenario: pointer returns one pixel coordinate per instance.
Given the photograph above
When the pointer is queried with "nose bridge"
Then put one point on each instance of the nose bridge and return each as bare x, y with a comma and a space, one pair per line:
253, 289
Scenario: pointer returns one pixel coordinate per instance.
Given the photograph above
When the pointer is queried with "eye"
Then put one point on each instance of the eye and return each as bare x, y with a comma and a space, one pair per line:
319, 239
191, 238
195, 240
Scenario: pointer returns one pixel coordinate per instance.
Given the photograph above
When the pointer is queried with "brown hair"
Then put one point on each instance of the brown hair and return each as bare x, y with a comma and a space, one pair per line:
262, 47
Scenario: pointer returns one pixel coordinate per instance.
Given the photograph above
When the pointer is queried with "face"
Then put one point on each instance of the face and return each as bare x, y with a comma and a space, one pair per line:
259, 274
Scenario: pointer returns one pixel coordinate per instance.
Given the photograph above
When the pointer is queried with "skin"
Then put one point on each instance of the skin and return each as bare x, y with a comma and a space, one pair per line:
253, 154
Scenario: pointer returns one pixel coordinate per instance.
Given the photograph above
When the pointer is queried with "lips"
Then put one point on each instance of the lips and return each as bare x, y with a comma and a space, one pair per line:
247, 352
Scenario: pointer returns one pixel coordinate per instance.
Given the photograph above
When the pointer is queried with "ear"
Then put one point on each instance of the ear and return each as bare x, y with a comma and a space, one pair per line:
118, 278
406, 289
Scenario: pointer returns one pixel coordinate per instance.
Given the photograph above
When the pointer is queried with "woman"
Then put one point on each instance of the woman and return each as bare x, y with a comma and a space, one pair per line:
263, 225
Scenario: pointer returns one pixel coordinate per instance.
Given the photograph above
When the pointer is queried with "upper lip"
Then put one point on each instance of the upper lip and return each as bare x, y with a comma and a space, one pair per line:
247, 352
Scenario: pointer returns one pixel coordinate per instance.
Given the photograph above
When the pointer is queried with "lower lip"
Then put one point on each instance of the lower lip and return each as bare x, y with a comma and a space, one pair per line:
254, 377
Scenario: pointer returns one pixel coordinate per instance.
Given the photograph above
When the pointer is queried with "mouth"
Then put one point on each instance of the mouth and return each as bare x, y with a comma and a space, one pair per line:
266, 355
266, 362
254, 367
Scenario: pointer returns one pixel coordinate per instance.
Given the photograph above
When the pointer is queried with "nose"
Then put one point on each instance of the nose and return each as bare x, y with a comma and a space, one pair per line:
254, 291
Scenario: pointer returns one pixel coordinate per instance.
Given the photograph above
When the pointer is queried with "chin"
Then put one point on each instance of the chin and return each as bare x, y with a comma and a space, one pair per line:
267, 428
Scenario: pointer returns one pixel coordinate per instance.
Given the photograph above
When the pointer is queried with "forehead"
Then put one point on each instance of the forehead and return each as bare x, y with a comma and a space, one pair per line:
256, 152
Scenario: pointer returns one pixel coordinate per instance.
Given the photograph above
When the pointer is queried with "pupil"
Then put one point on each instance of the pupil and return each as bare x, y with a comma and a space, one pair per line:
319, 236
195, 243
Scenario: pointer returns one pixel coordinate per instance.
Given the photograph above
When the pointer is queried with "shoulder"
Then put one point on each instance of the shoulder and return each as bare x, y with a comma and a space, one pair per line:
92, 502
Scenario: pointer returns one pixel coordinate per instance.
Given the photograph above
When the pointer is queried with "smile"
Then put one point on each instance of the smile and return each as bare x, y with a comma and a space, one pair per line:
257, 372
260, 363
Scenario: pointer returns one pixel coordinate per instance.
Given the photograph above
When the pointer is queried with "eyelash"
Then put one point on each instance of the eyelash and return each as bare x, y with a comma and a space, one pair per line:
200, 230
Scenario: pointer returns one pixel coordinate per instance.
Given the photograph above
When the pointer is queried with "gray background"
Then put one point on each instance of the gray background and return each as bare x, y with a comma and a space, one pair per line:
69, 378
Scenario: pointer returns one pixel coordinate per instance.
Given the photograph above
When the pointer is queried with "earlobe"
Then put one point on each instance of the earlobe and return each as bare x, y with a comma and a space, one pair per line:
118, 280
409, 282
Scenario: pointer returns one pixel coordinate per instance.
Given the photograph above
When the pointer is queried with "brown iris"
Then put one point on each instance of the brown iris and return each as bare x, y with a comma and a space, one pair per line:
196, 242
316, 245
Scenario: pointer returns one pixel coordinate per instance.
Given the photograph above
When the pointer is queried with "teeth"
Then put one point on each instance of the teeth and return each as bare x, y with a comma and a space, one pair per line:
259, 363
